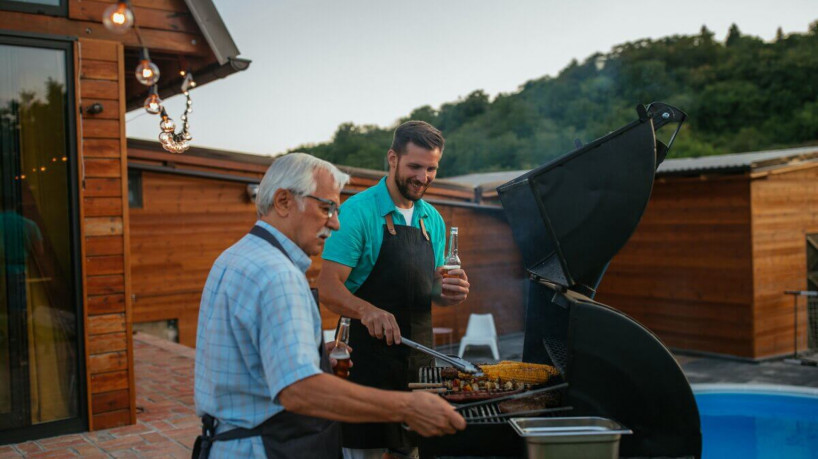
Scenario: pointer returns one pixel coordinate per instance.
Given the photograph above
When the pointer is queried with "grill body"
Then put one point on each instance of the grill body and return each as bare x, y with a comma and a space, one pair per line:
616, 369
569, 218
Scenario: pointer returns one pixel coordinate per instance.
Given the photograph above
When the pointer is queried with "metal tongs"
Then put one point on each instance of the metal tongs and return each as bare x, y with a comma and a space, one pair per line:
463, 365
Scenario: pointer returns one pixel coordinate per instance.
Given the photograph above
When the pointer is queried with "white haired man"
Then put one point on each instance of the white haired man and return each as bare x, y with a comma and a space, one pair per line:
262, 385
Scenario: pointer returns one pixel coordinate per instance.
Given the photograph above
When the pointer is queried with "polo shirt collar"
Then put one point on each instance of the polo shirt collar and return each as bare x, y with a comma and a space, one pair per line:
298, 256
386, 205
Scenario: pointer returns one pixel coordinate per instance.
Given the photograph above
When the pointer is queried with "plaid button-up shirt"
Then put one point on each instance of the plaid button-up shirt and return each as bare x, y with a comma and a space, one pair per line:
259, 331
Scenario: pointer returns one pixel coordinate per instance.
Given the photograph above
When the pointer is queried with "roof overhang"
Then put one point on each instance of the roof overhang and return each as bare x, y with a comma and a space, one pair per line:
223, 61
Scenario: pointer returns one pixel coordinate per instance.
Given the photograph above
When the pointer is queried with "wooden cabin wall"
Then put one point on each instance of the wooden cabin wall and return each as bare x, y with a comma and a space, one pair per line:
687, 272
166, 26
105, 231
186, 222
493, 263
182, 227
785, 210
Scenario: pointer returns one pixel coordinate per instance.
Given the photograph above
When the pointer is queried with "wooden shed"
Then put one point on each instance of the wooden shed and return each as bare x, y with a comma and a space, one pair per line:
721, 240
186, 209
66, 361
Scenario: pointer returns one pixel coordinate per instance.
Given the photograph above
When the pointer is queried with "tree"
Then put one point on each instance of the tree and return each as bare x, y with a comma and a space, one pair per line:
740, 95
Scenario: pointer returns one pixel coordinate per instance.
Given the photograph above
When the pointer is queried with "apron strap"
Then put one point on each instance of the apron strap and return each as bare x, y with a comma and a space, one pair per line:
423, 229
390, 225
264, 234
203, 443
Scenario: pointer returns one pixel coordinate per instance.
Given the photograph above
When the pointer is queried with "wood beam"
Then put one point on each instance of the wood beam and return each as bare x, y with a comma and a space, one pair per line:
155, 40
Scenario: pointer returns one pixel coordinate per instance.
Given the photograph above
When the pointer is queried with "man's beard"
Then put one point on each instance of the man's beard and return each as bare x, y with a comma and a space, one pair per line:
406, 192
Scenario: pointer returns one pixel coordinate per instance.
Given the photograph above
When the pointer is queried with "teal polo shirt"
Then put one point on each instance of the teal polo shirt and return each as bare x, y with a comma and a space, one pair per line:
358, 242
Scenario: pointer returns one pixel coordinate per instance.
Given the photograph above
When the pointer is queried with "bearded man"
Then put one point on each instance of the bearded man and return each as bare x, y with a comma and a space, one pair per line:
383, 270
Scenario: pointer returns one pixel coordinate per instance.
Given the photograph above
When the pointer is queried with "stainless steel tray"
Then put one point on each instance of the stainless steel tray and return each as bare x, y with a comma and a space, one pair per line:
570, 437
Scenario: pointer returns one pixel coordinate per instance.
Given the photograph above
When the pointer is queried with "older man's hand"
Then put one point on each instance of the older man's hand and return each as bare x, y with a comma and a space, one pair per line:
328, 347
429, 415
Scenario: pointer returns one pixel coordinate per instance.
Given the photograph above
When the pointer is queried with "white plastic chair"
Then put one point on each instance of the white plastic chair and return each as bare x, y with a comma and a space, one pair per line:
329, 335
480, 331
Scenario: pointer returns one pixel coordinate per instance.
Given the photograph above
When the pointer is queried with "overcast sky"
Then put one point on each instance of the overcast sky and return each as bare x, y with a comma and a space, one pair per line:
317, 64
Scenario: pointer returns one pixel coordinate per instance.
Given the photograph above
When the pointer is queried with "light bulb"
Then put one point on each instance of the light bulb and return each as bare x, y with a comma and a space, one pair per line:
153, 104
147, 72
118, 17
167, 125
166, 138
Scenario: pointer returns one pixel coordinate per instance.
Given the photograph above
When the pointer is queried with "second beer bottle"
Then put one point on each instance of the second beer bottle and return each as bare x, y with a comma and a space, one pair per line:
452, 258
341, 350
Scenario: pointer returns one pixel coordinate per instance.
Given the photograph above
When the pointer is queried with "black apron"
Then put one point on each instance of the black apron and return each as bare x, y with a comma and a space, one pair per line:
285, 435
401, 283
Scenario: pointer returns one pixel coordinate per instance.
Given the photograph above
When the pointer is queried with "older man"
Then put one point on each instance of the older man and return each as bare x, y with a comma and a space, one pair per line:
262, 385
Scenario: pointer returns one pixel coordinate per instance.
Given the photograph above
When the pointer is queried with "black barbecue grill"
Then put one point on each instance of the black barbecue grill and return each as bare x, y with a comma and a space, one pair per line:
569, 218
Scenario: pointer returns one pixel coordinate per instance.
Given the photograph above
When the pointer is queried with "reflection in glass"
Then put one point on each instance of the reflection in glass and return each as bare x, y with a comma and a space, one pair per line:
38, 334
36, 2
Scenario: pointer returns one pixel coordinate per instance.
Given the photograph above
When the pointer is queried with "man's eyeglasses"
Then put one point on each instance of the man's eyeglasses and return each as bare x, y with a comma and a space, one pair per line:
332, 207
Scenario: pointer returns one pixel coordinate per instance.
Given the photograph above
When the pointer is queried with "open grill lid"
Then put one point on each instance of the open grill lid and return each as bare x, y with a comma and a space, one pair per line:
570, 216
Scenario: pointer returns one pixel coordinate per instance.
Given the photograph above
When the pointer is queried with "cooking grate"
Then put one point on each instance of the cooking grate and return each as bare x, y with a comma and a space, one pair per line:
488, 413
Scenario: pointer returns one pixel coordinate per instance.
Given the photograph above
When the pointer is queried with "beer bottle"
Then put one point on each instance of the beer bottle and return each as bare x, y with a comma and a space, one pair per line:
341, 350
452, 259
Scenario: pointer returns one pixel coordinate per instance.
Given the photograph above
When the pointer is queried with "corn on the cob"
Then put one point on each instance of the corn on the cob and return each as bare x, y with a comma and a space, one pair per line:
530, 373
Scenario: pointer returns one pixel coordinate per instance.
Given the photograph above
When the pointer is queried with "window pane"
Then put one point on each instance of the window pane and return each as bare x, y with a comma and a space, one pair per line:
38, 334
36, 2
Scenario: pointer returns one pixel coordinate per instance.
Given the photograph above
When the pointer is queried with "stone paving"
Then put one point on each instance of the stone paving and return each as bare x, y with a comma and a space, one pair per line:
167, 425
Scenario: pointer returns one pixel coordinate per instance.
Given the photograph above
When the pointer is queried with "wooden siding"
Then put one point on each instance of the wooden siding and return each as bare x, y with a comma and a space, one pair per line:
158, 35
183, 225
186, 222
104, 216
687, 272
785, 210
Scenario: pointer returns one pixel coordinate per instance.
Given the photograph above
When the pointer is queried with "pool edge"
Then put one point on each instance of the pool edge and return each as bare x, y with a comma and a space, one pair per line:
711, 388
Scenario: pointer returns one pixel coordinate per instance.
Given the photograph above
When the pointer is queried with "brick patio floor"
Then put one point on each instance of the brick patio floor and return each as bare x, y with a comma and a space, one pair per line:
167, 426
166, 423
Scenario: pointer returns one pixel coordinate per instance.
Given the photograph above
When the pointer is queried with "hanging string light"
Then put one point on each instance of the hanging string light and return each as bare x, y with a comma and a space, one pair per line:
118, 17
146, 72
153, 104
171, 140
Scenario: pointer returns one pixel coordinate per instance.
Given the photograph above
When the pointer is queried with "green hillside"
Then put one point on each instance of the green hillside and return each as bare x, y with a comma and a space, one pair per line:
741, 95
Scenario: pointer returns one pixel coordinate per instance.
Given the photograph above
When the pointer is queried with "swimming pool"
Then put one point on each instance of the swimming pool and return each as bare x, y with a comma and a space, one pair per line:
758, 421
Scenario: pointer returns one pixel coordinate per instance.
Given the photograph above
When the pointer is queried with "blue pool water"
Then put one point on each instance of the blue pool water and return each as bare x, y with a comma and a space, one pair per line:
760, 425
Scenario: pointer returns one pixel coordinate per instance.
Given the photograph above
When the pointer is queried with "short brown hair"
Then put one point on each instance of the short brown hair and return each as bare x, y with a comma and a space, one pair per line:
419, 133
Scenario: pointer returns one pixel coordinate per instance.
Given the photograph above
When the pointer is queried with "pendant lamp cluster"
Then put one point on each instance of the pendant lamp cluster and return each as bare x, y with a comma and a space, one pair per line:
119, 18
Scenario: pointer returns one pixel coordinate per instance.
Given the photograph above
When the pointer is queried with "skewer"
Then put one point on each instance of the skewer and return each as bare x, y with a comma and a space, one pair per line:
511, 397
434, 390
424, 385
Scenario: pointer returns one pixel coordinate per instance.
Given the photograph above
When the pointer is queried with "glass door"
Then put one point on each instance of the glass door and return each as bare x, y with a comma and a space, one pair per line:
40, 378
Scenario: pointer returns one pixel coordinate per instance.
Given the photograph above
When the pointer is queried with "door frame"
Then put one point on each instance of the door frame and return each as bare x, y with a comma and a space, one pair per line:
80, 422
